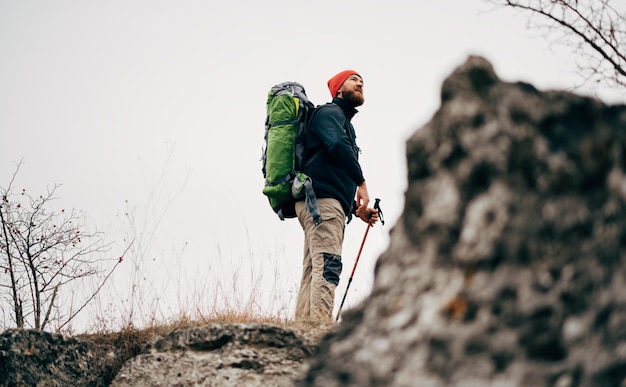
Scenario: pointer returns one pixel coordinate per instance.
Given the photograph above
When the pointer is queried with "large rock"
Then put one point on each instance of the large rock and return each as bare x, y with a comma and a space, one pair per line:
508, 266
220, 355
38, 358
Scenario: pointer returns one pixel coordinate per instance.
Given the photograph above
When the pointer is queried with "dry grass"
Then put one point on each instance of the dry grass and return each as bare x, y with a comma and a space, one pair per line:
131, 341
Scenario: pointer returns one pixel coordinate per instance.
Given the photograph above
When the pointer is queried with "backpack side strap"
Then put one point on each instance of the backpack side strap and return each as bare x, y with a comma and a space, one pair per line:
303, 182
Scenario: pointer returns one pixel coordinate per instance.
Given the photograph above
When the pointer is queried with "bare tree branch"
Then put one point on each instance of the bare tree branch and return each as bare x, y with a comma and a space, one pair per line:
121, 258
594, 29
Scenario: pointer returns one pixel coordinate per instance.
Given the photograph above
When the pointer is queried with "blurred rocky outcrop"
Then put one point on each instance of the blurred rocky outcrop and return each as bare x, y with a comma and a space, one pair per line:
508, 266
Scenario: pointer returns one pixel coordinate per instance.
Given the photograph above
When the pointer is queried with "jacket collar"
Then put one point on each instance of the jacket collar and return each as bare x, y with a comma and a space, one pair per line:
348, 109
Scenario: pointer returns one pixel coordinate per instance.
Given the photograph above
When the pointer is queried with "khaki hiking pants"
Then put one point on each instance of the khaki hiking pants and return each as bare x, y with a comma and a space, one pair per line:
321, 265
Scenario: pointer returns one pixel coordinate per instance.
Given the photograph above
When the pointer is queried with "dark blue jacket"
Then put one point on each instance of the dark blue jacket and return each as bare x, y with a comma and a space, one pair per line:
331, 156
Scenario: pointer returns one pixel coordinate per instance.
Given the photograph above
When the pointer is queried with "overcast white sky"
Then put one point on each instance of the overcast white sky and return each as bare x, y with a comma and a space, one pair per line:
159, 106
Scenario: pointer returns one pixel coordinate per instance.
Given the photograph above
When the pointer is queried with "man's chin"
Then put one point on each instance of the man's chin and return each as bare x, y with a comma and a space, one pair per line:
356, 100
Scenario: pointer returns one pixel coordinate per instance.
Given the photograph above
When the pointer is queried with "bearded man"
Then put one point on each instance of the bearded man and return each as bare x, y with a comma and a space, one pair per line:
331, 160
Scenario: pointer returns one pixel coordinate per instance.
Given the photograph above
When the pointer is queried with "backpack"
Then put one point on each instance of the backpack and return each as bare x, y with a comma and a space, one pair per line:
288, 114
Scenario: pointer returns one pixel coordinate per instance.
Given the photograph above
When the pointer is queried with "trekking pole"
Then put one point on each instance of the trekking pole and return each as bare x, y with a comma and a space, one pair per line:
382, 221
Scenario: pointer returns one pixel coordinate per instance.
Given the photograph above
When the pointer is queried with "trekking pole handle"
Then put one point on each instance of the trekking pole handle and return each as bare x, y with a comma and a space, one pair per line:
380, 212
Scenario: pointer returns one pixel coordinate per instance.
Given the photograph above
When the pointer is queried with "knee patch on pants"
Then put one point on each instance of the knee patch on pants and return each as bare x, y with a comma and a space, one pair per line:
332, 268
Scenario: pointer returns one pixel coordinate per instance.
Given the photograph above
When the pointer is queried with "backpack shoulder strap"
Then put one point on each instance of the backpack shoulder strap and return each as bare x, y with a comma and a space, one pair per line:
330, 105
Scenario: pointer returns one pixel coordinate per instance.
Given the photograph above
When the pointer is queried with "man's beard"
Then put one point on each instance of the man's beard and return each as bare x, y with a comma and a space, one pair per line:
352, 98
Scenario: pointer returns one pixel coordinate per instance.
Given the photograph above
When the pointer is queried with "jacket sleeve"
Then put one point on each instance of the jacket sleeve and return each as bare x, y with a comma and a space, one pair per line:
329, 127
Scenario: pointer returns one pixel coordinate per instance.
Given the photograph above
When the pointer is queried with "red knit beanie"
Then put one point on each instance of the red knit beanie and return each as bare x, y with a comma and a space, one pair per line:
335, 82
